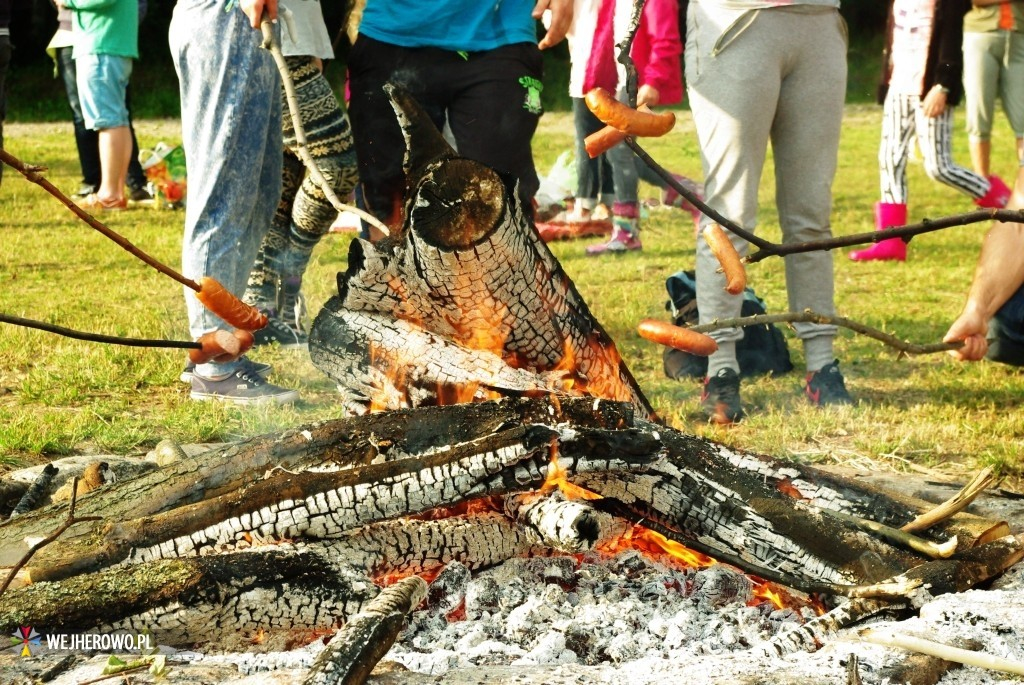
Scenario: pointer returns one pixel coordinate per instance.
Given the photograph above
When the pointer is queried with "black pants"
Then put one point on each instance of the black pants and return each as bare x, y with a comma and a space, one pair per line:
5, 61
1006, 332
489, 99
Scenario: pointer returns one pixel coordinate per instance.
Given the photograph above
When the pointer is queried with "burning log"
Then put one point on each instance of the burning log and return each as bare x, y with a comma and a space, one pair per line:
466, 296
356, 649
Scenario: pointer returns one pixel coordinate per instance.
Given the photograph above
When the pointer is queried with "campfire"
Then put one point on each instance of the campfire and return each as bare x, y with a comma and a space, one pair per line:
501, 504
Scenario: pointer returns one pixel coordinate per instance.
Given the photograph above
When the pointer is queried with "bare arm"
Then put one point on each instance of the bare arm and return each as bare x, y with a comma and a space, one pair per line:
1000, 272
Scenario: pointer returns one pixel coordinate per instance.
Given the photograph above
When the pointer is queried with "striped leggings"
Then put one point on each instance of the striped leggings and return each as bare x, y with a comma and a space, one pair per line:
902, 117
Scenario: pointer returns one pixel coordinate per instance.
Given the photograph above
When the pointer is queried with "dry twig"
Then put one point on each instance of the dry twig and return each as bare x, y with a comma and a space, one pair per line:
942, 651
68, 522
954, 504
301, 149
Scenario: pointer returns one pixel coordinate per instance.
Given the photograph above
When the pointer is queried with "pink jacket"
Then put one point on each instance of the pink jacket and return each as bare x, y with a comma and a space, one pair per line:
656, 51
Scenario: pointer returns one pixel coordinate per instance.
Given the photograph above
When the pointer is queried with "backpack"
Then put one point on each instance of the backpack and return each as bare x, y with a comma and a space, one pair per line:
762, 350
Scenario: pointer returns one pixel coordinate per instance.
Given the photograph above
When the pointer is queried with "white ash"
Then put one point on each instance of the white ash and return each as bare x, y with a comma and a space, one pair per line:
554, 611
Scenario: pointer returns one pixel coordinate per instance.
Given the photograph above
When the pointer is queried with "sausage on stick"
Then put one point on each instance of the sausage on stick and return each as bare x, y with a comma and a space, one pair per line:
677, 337
725, 253
632, 122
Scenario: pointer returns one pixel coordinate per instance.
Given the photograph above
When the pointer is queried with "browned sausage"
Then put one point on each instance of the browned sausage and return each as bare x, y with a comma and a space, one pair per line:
601, 141
632, 122
228, 307
676, 336
725, 253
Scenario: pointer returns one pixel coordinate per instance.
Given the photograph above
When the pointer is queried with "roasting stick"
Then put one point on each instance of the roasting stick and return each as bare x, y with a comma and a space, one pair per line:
270, 43
211, 293
937, 649
218, 346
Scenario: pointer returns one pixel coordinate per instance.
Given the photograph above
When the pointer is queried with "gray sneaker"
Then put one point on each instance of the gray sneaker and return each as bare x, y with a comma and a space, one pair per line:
282, 332
245, 386
190, 368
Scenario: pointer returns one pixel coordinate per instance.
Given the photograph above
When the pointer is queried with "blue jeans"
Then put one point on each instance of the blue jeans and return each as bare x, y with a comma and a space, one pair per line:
231, 133
86, 140
1006, 332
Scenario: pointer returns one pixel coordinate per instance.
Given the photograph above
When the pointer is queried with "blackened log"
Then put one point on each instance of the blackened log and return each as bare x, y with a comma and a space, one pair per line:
356, 648
938, 577
569, 526
337, 443
467, 267
326, 504
184, 601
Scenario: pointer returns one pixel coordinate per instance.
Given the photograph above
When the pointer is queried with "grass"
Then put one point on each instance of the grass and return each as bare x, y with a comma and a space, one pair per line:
60, 396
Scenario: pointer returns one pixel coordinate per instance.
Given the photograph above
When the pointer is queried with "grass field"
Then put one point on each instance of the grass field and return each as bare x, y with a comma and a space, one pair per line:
59, 396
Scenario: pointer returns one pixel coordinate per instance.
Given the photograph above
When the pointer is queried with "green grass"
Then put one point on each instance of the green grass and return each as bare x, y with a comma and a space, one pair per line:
60, 396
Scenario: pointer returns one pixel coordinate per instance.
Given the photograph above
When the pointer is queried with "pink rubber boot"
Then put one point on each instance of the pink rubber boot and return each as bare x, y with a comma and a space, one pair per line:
893, 249
997, 196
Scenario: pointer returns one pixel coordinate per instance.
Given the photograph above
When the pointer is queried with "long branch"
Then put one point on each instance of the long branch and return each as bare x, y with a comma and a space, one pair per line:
809, 316
300, 148
34, 173
767, 248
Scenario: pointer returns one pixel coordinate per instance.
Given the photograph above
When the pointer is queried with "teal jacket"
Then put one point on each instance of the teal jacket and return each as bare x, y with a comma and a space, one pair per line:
105, 27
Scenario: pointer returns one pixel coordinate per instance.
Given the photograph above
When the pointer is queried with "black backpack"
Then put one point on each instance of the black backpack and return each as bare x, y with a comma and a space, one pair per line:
762, 350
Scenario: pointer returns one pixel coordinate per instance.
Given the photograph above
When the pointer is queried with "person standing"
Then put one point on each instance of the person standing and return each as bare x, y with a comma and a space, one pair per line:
760, 71
231, 133
921, 83
5, 61
473, 64
993, 65
61, 48
304, 213
106, 42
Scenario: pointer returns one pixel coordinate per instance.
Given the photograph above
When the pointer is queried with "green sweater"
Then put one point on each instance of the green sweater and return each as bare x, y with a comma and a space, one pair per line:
985, 19
105, 27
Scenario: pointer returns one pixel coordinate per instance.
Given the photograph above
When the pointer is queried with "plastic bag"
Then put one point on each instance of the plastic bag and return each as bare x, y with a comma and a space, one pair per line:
560, 182
165, 169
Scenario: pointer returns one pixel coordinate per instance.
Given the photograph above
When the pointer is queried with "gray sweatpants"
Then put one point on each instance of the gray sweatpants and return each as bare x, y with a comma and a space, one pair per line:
756, 76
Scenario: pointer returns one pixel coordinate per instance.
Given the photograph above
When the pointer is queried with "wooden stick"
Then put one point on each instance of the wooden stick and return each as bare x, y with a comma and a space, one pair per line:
271, 44
769, 249
942, 651
954, 504
34, 173
810, 316
96, 337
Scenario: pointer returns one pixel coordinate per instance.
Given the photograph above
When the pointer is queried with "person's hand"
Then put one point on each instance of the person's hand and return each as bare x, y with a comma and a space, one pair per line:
647, 95
255, 10
561, 19
971, 328
934, 102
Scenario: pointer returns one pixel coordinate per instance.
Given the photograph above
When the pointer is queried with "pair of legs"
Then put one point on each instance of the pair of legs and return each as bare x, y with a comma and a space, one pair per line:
102, 86
304, 214
490, 100
773, 76
902, 119
231, 134
993, 67
87, 140
5, 61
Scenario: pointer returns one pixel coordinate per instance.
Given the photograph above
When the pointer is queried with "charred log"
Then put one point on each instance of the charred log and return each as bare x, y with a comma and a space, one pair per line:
468, 274
183, 601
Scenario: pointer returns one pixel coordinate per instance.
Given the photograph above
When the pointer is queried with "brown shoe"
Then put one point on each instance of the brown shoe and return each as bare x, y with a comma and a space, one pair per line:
93, 203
